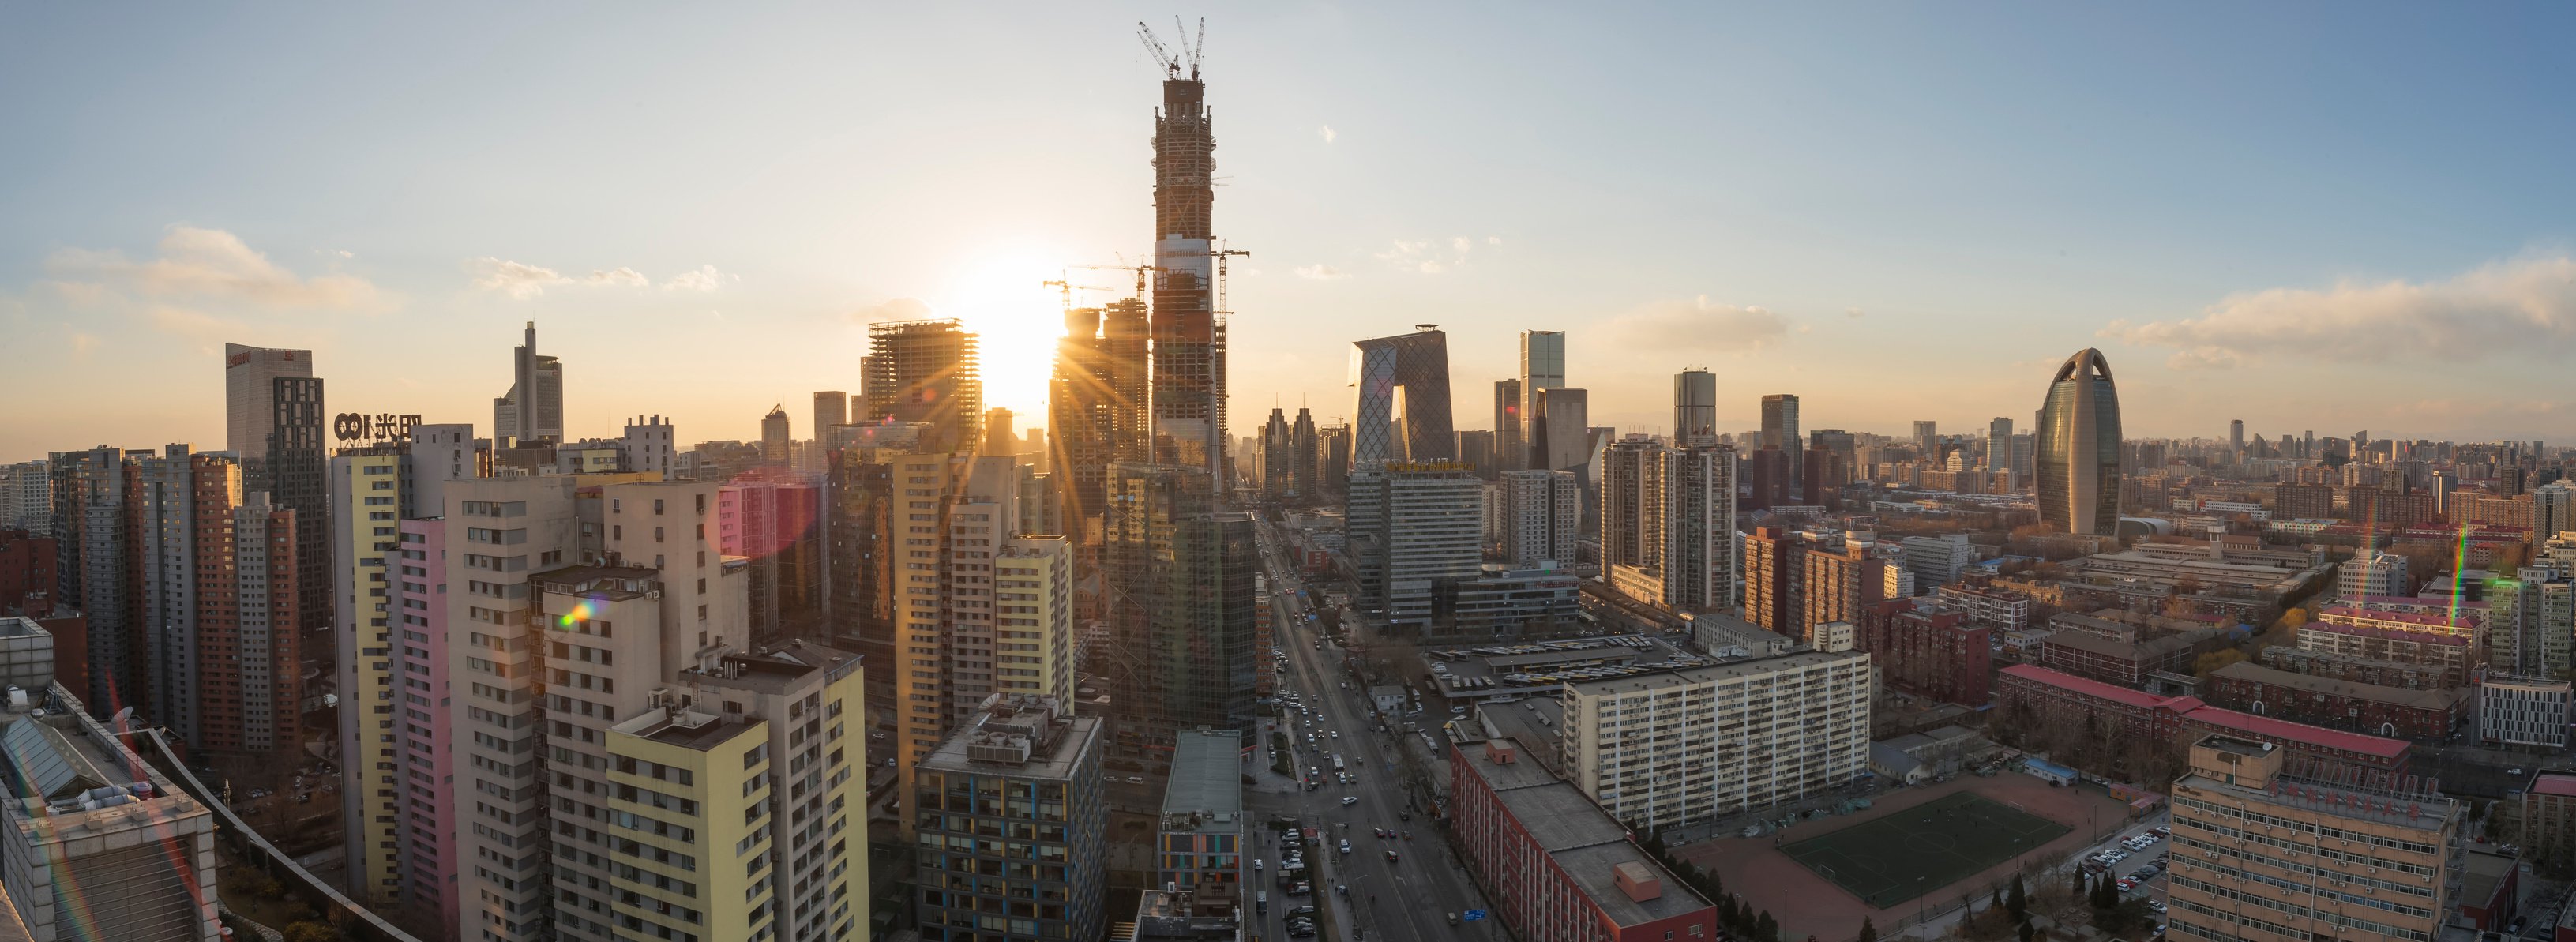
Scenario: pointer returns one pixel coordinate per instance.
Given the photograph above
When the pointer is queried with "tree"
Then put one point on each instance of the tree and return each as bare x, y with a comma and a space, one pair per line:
2018, 901
310, 932
2027, 931
1868, 930
1766, 928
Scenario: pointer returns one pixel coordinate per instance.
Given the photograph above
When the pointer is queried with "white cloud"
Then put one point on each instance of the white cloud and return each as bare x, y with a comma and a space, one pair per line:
1696, 326
523, 281
2523, 305
1327, 133
627, 277
1321, 272
1493, 240
208, 264
516, 279
1854, 312
705, 278
1426, 256
893, 309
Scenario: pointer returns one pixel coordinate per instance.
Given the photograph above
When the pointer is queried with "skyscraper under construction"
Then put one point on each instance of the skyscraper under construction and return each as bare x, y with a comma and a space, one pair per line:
1189, 340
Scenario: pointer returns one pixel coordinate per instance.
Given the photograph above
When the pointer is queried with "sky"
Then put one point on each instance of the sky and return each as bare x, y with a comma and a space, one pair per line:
2306, 216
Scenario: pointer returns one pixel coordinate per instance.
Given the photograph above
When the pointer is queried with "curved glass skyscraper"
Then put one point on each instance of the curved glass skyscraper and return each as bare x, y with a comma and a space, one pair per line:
2078, 445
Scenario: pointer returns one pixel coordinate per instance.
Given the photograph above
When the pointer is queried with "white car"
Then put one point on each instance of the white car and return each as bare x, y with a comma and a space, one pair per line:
1352, 800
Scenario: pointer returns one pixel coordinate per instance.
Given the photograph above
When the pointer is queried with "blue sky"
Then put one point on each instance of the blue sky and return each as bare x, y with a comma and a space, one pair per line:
2305, 216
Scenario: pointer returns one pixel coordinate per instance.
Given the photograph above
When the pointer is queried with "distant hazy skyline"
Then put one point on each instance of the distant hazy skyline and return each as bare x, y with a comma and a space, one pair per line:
2307, 217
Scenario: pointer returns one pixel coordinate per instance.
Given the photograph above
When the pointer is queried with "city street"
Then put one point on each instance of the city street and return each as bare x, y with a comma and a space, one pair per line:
1410, 897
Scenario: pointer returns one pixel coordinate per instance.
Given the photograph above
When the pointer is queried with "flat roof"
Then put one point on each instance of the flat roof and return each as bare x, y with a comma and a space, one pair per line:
1206, 789
1585, 843
2554, 783
1733, 670
691, 730
2131, 650
1053, 759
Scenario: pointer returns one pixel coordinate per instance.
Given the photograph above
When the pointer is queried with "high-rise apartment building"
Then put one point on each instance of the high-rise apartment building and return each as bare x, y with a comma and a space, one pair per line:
1694, 408
1684, 746
2369, 859
2078, 447
1927, 439
2236, 439
213, 605
1837, 586
1511, 439
1668, 524
27, 497
1540, 511
533, 408
926, 371
774, 522
95, 566
1026, 770
1033, 618
250, 375
746, 767
1772, 570
1403, 405
1780, 433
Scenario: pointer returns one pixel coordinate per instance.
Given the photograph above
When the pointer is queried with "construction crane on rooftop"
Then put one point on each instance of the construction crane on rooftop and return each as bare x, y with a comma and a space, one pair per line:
1140, 271
1069, 288
1169, 61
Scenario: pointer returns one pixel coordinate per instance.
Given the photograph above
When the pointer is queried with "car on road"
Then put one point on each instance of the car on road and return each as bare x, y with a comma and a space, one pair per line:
1135, 780
1350, 800
1390, 856
1300, 888
1302, 930
1346, 845
2156, 904
1256, 863
1301, 911
2507, 771
1337, 734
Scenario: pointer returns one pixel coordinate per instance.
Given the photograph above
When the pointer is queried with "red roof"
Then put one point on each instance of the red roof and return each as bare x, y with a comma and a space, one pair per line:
2286, 731
2554, 783
2088, 687
2191, 708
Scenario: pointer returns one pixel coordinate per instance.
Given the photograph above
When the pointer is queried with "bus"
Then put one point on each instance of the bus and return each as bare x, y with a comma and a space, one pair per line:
1337, 762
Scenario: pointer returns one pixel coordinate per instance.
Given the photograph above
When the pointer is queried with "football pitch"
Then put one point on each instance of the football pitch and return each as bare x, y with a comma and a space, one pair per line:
1896, 858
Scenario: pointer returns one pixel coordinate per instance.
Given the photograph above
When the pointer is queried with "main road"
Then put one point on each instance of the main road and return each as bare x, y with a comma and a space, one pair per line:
1409, 897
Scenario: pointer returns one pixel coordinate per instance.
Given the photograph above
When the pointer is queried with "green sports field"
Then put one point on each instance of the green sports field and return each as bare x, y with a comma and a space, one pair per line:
1898, 857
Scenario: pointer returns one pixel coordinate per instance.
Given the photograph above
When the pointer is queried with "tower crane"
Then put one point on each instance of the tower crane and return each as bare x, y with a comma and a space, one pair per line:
1069, 288
1140, 271
1170, 62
